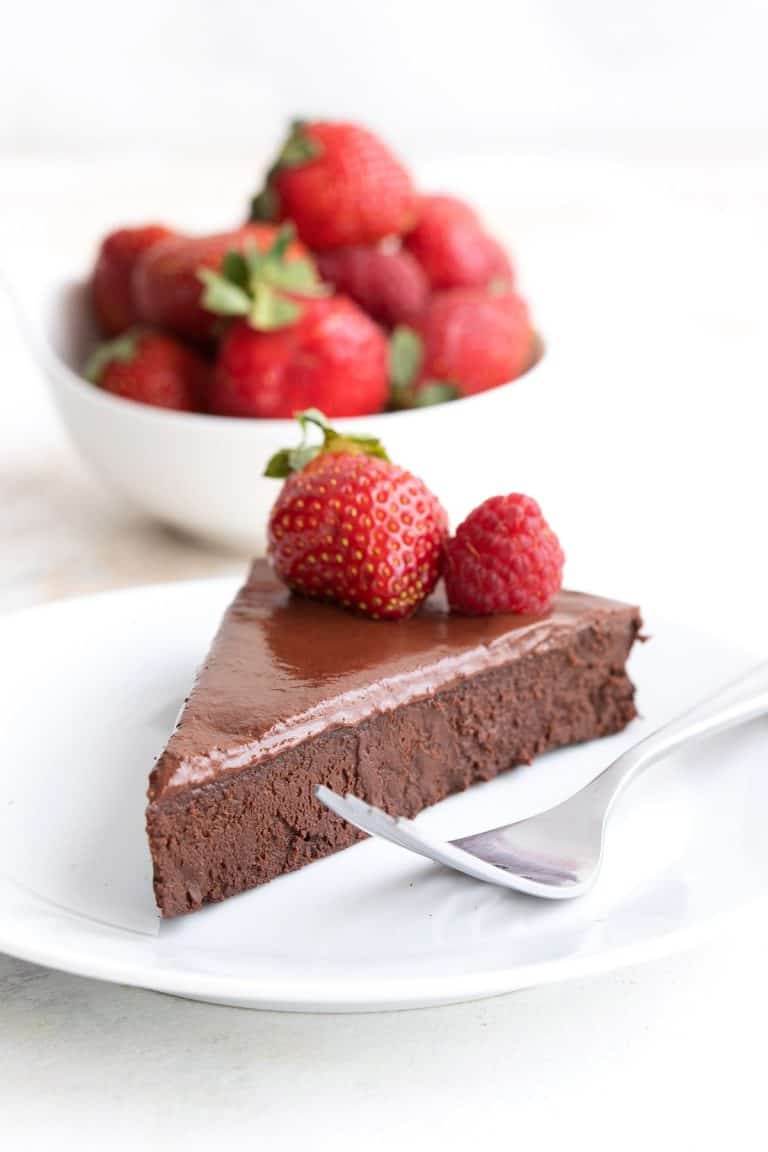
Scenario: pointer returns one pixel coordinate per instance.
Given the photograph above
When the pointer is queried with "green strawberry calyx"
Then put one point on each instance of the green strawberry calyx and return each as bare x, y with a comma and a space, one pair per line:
289, 460
121, 350
259, 286
298, 149
406, 355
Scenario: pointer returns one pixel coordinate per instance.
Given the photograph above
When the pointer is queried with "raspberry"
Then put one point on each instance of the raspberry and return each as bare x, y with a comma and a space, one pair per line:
503, 558
389, 285
354, 528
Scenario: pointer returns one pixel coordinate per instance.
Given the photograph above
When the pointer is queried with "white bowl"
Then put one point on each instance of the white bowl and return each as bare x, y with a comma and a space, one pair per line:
203, 474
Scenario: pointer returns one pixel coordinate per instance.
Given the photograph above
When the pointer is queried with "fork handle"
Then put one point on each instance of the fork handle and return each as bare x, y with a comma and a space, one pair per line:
740, 701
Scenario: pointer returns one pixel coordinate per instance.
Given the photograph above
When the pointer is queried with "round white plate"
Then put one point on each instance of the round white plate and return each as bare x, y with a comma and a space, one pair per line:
90, 690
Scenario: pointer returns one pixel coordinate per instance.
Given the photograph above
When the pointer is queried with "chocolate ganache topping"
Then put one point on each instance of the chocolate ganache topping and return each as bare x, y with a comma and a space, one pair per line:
284, 669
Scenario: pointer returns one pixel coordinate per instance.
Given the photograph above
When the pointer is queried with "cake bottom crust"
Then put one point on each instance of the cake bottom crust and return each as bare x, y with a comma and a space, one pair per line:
241, 831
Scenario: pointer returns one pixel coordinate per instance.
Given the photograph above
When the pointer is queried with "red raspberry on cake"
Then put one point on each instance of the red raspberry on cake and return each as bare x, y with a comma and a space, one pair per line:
150, 368
453, 247
112, 278
503, 558
339, 184
351, 527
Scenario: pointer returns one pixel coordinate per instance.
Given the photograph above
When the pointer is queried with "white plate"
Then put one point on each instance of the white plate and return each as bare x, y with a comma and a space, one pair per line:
90, 690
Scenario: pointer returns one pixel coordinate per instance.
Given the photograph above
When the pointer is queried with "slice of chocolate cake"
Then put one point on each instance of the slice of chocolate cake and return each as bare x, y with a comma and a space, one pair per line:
296, 693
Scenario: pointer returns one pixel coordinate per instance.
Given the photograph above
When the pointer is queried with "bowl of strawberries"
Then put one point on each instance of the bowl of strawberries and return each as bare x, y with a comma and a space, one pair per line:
179, 362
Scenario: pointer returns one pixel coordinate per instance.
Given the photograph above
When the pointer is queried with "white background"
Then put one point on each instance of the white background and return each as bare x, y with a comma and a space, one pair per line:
620, 149
491, 75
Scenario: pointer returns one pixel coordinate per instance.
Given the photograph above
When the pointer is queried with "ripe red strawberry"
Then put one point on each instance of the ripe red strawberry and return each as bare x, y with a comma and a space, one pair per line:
291, 345
439, 206
151, 368
111, 289
504, 558
352, 527
339, 184
475, 340
167, 284
453, 248
389, 285
333, 355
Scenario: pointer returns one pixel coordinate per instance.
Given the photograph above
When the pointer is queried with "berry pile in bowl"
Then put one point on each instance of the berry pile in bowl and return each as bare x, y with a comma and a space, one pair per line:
180, 360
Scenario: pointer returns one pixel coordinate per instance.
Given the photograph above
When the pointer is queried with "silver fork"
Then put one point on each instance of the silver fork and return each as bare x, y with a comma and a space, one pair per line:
558, 853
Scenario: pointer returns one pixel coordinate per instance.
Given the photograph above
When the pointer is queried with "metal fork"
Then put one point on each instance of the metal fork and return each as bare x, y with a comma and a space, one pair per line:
557, 854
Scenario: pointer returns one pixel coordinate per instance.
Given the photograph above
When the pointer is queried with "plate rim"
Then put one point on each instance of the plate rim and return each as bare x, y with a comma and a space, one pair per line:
388, 993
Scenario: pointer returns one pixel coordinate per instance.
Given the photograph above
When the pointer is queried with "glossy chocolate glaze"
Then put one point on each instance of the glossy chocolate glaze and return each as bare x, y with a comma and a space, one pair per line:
283, 669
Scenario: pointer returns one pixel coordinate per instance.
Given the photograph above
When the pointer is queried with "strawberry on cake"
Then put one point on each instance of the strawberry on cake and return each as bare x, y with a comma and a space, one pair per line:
341, 664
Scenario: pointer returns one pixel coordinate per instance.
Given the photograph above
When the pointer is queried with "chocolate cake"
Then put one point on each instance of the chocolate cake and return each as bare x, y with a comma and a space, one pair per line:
296, 693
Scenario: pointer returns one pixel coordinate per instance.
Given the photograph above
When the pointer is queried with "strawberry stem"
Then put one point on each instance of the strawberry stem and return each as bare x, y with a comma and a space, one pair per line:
260, 286
433, 392
406, 352
122, 349
289, 460
406, 355
297, 149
